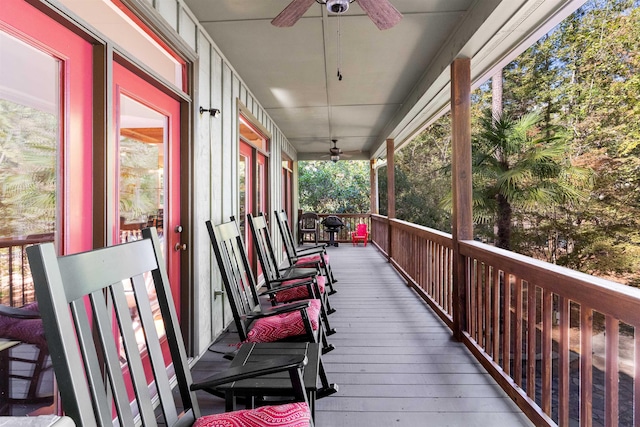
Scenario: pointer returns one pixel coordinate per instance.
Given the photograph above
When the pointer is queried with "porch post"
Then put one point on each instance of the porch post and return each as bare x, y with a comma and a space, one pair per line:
462, 219
373, 183
391, 190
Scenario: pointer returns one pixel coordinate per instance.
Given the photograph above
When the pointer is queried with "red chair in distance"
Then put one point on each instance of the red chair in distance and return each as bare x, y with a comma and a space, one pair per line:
361, 234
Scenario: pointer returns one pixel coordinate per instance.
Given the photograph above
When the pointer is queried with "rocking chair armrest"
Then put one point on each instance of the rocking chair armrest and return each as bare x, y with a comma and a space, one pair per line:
274, 311
311, 250
296, 273
286, 287
271, 366
308, 264
18, 313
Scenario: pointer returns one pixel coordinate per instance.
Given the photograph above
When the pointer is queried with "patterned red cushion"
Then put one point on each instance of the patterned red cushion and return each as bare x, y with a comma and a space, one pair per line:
289, 415
275, 328
29, 331
299, 292
312, 258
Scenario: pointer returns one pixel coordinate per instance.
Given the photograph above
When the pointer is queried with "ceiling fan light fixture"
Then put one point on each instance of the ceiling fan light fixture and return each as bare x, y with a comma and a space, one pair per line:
337, 6
335, 158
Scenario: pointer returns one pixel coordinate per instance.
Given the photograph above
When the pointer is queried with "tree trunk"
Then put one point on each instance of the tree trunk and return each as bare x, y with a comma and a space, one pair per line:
496, 94
504, 223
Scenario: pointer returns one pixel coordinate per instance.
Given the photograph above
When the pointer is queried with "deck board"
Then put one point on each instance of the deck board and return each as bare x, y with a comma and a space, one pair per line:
395, 361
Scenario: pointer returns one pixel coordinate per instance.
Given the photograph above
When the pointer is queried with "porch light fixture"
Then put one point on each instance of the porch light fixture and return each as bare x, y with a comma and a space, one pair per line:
213, 111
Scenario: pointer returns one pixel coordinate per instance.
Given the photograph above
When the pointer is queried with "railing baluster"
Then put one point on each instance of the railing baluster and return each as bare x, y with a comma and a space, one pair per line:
496, 314
11, 290
478, 303
586, 366
563, 361
449, 288
487, 309
432, 267
22, 292
506, 337
547, 320
531, 340
517, 346
612, 336
434, 276
474, 301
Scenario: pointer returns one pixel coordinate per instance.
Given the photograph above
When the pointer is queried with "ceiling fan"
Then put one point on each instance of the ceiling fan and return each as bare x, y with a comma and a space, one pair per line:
381, 12
335, 152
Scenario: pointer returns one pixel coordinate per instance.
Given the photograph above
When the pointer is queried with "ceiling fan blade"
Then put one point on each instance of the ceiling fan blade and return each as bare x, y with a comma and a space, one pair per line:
350, 153
292, 13
381, 12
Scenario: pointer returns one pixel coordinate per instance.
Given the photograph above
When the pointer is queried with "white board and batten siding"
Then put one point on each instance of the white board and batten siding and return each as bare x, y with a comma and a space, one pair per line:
215, 156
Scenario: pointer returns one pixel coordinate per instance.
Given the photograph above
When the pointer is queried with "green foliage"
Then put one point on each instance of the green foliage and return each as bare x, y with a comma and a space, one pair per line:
519, 165
341, 187
582, 77
28, 147
140, 189
420, 180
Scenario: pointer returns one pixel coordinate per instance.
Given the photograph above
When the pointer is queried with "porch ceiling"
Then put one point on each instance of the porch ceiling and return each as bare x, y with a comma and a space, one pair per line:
395, 81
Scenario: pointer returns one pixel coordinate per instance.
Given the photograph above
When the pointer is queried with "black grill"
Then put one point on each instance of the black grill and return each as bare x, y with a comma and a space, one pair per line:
332, 225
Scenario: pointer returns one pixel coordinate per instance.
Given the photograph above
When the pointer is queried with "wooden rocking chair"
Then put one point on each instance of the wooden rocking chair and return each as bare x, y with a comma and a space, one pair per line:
299, 321
275, 277
304, 257
97, 359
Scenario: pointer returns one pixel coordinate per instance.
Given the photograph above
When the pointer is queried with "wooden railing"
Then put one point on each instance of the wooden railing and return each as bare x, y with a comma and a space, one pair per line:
561, 343
350, 221
16, 285
380, 233
425, 258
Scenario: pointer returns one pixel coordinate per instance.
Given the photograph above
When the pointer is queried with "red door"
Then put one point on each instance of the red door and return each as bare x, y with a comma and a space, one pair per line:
245, 193
45, 163
148, 166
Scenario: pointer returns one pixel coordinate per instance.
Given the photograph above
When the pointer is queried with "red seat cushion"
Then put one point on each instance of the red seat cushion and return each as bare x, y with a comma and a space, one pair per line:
299, 292
289, 415
275, 328
312, 258
29, 331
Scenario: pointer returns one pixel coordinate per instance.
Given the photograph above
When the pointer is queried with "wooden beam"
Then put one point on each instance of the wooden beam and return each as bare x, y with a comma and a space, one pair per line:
373, 183
391, 191
391, 180
462, 219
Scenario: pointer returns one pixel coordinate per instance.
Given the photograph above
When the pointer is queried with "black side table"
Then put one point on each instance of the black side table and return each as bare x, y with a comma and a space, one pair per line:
276, 385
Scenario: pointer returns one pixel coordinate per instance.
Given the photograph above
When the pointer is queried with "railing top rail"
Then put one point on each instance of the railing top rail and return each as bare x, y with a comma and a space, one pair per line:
29, 240
343, 215
444, 239
605, 296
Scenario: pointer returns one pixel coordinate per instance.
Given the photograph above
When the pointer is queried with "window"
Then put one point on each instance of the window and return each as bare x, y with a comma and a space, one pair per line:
252, 172
253, 179
287, 187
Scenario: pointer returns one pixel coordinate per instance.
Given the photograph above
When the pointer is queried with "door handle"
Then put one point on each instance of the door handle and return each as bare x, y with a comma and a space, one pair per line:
180, 247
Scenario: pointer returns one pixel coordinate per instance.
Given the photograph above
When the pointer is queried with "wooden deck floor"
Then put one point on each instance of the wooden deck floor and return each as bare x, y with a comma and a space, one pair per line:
395, 362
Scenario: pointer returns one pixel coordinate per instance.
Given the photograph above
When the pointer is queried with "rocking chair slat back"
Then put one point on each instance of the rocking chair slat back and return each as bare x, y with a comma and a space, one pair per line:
262, 242
80, 297
236, 273
287, 236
